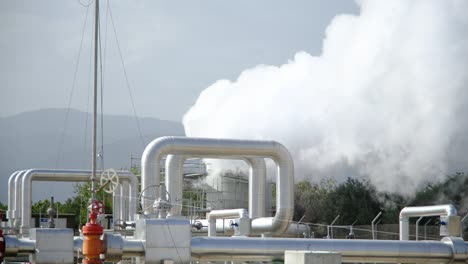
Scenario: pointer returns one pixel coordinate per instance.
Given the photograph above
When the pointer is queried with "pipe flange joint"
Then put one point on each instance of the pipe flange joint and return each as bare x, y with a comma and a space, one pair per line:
113, 244
460, 251
92, 229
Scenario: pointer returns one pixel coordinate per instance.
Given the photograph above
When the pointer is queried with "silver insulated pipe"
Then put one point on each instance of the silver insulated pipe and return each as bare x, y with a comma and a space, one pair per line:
257, 187
11, 194
205, 147
17, 202
12, 197
239, 249
174, 182
65, 176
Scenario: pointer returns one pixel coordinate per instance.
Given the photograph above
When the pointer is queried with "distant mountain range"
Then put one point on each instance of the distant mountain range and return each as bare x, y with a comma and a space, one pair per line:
42, 139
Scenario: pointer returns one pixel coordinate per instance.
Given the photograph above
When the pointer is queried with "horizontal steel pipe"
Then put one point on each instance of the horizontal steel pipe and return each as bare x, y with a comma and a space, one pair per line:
365, 251
118, 247
200, 226
15, 246
298, 229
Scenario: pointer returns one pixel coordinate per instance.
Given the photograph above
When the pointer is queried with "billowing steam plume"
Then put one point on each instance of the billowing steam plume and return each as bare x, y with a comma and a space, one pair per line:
387, 98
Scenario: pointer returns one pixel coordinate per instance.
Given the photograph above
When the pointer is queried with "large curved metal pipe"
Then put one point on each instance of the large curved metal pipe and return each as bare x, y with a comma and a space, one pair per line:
434, 210
65, 176
11, 192
226, 147
11, 197
18, 197
351, 250
257, 184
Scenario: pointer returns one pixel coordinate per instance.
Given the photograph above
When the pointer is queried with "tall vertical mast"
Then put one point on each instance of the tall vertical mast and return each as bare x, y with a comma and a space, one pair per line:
96, 39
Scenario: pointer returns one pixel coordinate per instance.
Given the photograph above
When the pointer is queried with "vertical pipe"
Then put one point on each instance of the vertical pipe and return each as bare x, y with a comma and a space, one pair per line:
116, 208
268, 198
124, 194
161, 210
132, 196
174, 181
257, 186
150, 176
11, 197
18, 198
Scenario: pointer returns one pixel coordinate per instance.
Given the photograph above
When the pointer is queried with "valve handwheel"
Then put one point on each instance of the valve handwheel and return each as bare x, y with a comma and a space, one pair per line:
109, 180
97, 207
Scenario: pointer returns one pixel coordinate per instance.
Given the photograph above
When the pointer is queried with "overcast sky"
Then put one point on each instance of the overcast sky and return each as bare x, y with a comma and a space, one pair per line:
172, 50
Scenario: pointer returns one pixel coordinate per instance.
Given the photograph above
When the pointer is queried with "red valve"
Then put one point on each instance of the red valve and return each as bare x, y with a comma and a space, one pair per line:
97, 207
93, 246
2, 246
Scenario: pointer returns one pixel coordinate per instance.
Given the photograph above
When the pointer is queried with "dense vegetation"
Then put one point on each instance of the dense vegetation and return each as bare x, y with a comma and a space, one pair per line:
76, 205
358, 201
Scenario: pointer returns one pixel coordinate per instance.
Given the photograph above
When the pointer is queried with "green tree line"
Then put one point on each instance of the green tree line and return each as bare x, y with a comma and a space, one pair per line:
358, 201
77, 205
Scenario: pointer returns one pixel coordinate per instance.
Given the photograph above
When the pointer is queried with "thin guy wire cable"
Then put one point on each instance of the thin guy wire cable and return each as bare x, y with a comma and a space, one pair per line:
70, 97
90, 84
173, 243
126, 80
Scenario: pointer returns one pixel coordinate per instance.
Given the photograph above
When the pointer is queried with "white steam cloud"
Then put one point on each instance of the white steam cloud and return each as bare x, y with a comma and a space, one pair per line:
387, 98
